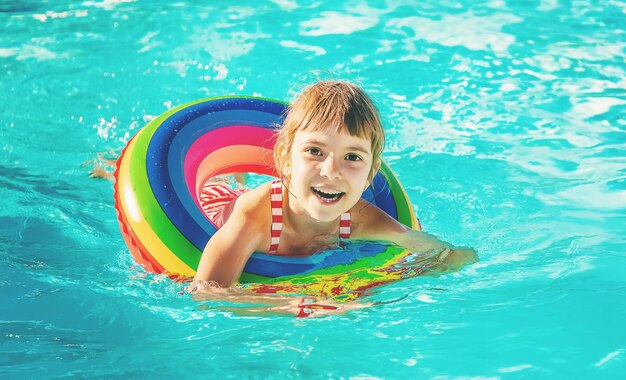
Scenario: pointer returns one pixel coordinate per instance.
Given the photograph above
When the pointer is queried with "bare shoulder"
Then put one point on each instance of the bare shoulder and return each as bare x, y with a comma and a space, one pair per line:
254, 205
253, 199
372, 223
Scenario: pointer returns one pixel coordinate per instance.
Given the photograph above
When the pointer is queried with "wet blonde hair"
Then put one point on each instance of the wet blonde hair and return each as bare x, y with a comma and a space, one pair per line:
330, 104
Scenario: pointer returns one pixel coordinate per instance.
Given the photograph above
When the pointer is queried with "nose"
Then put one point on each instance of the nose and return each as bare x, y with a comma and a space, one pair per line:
330, 169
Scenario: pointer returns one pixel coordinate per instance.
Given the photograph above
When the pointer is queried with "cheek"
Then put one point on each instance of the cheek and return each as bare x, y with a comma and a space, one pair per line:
300, 165
360, 173
292, 166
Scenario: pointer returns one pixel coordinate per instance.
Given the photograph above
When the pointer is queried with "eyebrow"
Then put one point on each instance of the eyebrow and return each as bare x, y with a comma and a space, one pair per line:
350, 148
359, 149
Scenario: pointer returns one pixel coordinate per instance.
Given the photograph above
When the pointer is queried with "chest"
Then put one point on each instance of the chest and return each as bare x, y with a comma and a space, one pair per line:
292, 243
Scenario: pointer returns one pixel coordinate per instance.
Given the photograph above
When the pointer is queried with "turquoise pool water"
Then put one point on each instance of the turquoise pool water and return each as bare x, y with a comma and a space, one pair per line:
505, 123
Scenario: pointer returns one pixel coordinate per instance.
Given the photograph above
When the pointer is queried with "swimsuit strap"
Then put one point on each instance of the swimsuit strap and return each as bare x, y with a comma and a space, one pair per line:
276, 199
344, 225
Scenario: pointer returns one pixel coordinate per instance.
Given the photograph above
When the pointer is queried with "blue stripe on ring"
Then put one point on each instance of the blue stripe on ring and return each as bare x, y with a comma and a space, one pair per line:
274, 266
383, 195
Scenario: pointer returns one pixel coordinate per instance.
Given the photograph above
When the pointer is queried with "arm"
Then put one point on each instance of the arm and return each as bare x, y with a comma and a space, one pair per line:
231, 246
445, 256
375, 224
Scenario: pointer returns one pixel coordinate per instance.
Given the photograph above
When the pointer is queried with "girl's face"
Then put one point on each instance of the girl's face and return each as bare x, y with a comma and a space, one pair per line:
329, 172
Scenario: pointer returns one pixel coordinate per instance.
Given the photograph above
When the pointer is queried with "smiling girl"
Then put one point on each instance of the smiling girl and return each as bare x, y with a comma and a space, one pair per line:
327, 152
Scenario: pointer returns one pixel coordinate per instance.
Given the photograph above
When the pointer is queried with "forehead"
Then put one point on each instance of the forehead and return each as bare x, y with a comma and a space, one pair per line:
334, 138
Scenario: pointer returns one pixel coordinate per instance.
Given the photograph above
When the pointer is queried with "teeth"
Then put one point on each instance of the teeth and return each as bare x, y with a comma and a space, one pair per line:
330, 195
328, 192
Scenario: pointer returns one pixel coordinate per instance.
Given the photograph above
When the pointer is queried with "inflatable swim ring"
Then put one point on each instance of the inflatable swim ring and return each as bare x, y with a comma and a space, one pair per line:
162, 169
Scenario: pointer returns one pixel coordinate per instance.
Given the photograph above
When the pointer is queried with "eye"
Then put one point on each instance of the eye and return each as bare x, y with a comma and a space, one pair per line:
314, 151
353, 157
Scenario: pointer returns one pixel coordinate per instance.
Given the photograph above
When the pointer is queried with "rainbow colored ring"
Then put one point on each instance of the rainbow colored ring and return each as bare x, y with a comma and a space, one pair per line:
164, 166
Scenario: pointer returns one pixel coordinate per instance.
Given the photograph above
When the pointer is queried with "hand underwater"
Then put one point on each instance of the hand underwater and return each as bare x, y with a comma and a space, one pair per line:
456, 258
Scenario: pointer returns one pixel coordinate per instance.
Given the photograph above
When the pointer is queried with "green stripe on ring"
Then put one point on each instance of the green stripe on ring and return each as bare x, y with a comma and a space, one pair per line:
403, 206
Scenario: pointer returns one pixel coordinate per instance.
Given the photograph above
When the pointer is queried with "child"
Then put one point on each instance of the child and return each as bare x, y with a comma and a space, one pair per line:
327, 152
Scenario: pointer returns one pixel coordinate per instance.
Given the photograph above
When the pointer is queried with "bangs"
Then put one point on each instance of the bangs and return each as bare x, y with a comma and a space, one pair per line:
339, 112
356, 128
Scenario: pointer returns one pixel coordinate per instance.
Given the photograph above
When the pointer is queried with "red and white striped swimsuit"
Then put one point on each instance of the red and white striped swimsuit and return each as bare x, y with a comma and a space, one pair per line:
214, 199
216, 196
276, 197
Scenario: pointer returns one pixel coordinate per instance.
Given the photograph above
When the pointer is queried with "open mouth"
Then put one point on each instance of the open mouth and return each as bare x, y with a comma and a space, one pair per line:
328, 196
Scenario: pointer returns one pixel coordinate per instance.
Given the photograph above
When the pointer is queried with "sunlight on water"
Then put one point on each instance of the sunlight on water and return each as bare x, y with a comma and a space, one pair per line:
504, 121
